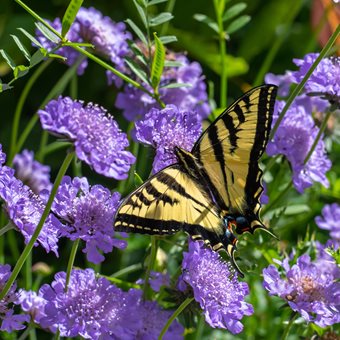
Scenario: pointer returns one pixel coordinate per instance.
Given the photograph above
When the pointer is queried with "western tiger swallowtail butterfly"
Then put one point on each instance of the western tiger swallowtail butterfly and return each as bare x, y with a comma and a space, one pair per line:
214, 189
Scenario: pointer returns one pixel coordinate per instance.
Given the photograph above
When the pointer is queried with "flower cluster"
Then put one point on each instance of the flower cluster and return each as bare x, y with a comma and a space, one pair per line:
97, 138
31, 172
24, 209
93, 308
90, 26
310, 288
87, 214
330, 220
135, 103
164, 129
9, 320
216, 287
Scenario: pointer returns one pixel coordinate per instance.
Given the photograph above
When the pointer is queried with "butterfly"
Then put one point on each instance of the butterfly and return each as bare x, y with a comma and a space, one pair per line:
213, 190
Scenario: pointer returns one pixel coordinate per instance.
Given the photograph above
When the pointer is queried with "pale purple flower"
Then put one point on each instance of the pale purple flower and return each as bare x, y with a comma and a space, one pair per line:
216, 287
96, 136
293, 139
330, 220
87, 213
9, 321
156, 280
91, 307
310, 288
24, 209
31, 172
164, 129
283, 82
136, 103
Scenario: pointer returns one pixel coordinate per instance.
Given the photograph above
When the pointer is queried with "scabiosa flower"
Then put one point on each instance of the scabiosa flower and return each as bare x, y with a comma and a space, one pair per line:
156, 280
31, 172
330, 220
24, 209
135, 103
293, 139
282, 81
164, 129
91, 307
97, 138
87, 213
216, 288
9, 320
310, 289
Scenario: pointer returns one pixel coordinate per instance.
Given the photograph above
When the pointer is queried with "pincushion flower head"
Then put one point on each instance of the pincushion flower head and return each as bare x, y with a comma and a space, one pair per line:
90, 26
310, 288
330, 220
9, 320
24, 209
87, 214
215, 287
97, 139
136, 104
294, 139
164, 129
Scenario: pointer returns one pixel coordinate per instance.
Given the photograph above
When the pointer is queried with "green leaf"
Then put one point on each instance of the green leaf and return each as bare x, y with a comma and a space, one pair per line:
155, 2
172, 63
8, 59
176, 85
237, 24
138, 179
70, 15
206, 20
137, 31
37, 57
157, 62
47, 33
138, 52
141, 11
20, 70
161, 19
30, 37
137, 70
233, 11
142, 3
5, 87
166, 39
21, 46
297, 209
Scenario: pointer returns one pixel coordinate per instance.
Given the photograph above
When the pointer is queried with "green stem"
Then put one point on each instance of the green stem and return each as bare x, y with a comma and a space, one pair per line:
278, 198
151, 263
74, 87
43, 143
289, 326
127, 270
52, 147
30, 244
28, 272
176, 313
170, 5
300, 86
71, 262
20, 104
199, 328
7, 227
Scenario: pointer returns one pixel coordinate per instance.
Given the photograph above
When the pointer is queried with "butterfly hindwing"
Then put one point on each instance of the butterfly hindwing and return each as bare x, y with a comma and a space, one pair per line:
229, 151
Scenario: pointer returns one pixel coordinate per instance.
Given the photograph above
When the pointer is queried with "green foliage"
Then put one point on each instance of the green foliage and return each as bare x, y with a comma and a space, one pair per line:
70, 15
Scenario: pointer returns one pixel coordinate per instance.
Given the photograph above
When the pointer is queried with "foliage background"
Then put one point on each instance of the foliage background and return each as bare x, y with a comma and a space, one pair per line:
285, 25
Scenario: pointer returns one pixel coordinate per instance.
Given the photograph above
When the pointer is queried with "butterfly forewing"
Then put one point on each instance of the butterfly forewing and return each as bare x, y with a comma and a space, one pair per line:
230, 148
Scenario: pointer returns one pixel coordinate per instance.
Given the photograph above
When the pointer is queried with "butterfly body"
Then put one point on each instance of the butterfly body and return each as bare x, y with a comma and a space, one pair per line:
214, 189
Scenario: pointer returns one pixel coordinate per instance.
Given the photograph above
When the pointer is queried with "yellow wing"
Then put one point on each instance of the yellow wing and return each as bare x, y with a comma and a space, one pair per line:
170, 201
229, 151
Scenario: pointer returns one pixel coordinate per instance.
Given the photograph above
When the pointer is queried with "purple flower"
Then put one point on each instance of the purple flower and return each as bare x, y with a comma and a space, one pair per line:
282, 81
330, 220
293, 139
216, 287
2, 157
167, 128
135, 103
325, 78
31, 172
24, 209
9, 320
156, 280
97, 138
91, 307
310, 288
87, 213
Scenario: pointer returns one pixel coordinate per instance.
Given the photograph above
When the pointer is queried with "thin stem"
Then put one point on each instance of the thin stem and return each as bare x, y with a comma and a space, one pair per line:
28, 272
71, 262
43, 143
52, 147
7, 227
199, 328
30, 244
289, 326
128, 270
170, 5
176, 313
298, 88
150, 266
20, 105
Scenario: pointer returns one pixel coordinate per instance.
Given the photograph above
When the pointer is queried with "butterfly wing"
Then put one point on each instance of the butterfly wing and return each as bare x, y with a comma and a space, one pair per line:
170, 201
229, 151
